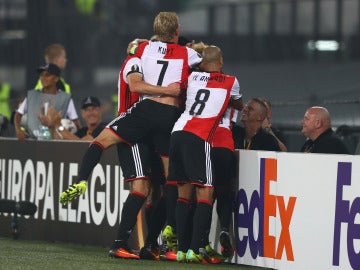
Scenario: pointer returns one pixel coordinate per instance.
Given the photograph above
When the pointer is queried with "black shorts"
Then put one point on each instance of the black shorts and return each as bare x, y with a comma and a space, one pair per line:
224, 165
140, 161
190, 159
147, 119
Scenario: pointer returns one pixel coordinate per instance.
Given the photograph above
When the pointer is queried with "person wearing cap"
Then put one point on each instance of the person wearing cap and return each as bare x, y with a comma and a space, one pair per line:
37, 103
90, 112
56, 54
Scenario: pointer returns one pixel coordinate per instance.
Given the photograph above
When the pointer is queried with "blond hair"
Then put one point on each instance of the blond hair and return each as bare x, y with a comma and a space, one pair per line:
52, 52
199, 47
165, 25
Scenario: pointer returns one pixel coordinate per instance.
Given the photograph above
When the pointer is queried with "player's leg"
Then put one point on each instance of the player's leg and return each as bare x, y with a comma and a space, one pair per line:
202, 176
129, 129
202, 222
134, 162
155, 222
157, 217
157, 180
183, 215
171, 194
224, 164
92, 156
161, 140
180, 204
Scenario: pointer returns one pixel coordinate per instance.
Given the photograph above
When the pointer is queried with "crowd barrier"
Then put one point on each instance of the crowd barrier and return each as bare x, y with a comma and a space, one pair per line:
292, 210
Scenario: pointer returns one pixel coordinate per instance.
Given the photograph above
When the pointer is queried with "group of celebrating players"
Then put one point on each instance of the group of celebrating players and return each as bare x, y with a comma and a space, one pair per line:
172, 130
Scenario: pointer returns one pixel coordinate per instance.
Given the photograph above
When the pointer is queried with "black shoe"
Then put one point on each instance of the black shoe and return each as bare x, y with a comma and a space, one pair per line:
227, 249
150, 253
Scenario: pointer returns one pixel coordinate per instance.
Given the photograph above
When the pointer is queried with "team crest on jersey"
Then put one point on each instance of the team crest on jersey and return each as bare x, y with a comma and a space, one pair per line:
135, 68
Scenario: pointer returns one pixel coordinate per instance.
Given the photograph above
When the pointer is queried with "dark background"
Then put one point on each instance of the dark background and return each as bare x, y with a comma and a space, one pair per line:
270, 45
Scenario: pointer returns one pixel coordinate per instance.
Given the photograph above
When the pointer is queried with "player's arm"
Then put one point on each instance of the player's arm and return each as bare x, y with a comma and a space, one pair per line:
137, 85
237, 104
236, 100
133, 45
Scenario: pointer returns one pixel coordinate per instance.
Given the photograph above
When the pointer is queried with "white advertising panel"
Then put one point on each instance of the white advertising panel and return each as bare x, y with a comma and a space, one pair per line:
298, 211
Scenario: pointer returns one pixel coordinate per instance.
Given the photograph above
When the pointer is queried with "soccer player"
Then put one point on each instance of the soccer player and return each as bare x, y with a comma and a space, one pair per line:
139, 162
165, 65
208, 96
222, 155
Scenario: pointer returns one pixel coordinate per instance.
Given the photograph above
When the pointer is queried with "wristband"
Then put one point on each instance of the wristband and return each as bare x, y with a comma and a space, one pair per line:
58, 131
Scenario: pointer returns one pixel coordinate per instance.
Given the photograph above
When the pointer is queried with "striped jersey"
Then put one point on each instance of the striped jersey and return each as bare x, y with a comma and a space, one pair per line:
126, 98
223, 135
166, 63
207, 98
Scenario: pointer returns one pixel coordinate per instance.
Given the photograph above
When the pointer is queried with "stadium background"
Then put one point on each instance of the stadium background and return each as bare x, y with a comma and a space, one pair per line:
271, 45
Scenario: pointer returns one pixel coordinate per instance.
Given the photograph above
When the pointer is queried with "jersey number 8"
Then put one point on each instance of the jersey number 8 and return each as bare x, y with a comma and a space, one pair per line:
201, 97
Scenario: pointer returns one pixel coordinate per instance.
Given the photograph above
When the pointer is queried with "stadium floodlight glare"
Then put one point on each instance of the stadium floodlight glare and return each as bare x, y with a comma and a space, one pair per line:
323, 45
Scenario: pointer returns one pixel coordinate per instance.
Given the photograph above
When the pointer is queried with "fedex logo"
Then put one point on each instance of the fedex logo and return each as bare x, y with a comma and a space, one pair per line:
261, 242
346, 212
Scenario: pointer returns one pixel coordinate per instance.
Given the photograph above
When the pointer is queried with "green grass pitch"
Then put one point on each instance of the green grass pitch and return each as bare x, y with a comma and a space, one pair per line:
22, 254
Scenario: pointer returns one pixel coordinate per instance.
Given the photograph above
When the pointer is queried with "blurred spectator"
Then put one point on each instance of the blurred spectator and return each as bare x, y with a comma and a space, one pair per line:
252, 136
90, 112
267, 126
86, 7
56, 54
36, 104
316, 127
357, 150
5, 127
348, 137
5, 100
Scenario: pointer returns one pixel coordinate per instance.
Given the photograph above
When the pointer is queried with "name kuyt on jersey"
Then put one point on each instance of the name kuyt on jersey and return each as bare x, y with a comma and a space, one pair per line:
166, 63
207, 88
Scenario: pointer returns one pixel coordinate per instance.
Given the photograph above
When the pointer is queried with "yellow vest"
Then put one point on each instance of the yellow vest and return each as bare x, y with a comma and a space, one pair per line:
4, 100
85, 6
67, 86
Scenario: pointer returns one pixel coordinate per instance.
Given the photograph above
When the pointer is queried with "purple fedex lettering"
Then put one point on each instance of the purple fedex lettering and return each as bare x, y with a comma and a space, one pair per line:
263, 244
346, 213
246, 220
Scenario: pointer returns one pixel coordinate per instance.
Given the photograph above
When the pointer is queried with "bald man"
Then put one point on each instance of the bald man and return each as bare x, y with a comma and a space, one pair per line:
316, 126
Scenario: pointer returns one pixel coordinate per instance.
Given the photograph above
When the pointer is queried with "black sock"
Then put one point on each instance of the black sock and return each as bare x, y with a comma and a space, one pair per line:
171, 195
206, 240
183, 213
157, 221
130, 210
224, 209
89, 161
201, 224
148, 213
